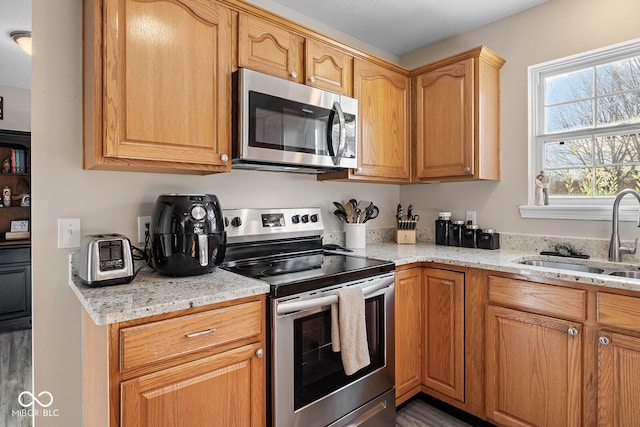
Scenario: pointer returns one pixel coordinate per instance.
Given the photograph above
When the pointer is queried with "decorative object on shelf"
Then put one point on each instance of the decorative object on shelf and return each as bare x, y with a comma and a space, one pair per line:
26, 200
6, 196
20, 225
542, 189
6, 166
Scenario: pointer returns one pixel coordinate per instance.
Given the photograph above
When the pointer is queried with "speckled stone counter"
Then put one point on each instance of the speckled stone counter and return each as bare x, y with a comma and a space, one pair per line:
500, 260
150, 293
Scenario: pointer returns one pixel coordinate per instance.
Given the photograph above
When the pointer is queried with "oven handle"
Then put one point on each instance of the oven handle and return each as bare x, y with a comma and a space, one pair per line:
293, 306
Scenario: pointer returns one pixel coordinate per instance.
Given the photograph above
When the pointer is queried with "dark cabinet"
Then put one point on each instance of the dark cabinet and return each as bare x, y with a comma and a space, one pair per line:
15, 287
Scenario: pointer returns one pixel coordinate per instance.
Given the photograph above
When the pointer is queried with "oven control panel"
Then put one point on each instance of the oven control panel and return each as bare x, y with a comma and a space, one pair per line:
256, 224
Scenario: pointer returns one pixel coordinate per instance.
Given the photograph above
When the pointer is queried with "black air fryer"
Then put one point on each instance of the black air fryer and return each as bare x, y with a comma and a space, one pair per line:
187, 234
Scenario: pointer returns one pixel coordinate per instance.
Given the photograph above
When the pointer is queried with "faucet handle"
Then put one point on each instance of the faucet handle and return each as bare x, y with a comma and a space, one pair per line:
629, 249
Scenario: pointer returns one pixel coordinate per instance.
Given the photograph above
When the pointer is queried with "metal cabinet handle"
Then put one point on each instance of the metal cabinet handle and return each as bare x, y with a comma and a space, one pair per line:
603, 340
198, 334
294, 75
572, 331
259, 352
312, 79
467, 169
224, 157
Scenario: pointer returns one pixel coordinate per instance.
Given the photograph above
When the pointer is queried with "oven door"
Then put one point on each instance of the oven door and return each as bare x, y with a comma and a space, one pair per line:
309, 385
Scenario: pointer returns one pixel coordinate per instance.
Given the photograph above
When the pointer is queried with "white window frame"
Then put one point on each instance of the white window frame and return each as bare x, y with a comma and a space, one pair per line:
571, 207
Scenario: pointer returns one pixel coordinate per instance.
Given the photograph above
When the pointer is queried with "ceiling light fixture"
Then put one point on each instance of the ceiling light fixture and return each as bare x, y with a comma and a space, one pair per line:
23, 38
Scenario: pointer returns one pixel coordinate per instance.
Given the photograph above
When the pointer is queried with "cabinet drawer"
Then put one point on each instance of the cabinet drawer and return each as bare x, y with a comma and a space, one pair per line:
620, 311
157, 341
545, 299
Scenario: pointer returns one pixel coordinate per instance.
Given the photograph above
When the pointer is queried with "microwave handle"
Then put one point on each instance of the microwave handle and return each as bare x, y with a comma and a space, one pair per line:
342, 137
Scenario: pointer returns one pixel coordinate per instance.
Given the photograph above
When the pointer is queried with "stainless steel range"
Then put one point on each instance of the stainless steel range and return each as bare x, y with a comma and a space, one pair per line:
308, 385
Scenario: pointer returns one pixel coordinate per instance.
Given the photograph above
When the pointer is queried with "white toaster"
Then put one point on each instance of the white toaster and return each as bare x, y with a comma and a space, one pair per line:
106, 259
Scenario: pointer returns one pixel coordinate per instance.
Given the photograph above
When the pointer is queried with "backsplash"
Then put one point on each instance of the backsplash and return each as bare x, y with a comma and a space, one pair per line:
595, 248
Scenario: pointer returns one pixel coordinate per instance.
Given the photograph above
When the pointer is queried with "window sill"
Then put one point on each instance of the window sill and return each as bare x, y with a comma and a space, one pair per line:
585, 212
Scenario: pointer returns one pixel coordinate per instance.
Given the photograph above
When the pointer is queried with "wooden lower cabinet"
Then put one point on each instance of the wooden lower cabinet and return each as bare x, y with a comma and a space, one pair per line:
205, 377
408, 295
443, 359
221, 390
533, 369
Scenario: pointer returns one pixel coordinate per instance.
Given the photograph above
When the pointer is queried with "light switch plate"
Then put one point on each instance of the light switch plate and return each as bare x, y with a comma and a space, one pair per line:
68, 233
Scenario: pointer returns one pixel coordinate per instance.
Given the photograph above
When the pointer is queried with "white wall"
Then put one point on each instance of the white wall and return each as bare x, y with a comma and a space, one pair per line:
553, 30
17, 108
110, 201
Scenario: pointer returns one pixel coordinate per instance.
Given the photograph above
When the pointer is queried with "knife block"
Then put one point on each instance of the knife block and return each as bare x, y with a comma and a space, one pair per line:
405, 236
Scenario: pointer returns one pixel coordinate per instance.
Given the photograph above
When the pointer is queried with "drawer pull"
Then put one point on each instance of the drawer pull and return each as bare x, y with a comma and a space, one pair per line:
603, 340
259, 352
197, 334
573, 331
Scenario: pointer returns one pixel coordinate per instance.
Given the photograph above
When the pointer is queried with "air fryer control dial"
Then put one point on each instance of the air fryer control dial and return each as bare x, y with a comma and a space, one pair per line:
198, 212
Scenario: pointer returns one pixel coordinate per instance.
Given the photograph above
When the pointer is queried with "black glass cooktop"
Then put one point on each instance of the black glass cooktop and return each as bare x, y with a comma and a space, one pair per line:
292, 274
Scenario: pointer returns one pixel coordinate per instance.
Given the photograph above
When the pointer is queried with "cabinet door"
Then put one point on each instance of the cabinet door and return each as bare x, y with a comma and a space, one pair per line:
227, 389
383, 105
15, 291
167, 71
265, 47
444, 121
328, 68
408, 332
443, 336
533, 369
618, 386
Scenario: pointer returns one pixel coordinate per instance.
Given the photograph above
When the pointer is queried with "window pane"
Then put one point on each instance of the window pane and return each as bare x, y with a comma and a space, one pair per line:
617, 149
570, 182
573, 116
619, 76
568, 87
563, 154
618, 109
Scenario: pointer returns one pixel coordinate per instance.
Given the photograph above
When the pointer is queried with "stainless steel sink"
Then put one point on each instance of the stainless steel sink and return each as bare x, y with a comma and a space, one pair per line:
564, 266
629, 271
631, 274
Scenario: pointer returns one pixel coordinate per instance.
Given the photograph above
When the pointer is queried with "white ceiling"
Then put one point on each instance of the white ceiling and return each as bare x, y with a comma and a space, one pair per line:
395, 26
15, 65
402, 26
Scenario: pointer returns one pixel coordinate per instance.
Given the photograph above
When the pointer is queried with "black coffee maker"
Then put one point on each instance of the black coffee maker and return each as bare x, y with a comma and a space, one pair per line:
187, 234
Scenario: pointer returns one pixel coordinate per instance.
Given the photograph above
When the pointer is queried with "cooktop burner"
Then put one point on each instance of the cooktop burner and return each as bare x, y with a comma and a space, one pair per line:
284, 248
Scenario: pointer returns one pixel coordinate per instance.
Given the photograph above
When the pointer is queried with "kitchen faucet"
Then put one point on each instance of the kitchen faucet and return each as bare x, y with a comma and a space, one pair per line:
615, 250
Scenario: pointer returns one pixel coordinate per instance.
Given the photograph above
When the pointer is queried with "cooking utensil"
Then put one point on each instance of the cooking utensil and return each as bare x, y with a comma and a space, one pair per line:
333, 247
371, 212
342, 215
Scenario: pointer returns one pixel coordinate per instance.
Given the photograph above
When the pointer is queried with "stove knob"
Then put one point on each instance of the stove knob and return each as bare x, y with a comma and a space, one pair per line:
314, 218
236, 222
305, 218
226, 221
198, 212
295, 219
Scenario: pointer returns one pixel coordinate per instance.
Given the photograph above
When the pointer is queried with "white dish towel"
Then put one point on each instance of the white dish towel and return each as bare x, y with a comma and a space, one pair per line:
349, 330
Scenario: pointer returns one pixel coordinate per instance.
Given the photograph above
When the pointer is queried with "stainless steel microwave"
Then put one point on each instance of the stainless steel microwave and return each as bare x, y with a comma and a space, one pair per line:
285, 126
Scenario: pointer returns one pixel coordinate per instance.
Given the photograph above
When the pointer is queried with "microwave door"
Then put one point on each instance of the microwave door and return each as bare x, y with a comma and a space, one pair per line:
336, 133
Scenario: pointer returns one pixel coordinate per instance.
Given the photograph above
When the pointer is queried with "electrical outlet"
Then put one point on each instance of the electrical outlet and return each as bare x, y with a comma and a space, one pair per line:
143, 227
68, 233
471, 216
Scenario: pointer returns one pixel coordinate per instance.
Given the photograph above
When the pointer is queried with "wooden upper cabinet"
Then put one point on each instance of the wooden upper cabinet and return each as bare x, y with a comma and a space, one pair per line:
328, 68
383, 117
157, 86
457, 117
269, 48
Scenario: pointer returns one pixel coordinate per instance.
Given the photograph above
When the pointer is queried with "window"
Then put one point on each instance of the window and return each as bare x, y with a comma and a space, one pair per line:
585, 132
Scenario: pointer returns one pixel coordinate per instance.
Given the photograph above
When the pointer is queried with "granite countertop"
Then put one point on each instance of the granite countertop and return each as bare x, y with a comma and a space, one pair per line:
502, 260
151, 293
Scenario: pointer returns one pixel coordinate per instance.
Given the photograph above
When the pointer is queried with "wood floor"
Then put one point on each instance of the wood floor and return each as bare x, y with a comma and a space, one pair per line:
15, 376
418, 413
